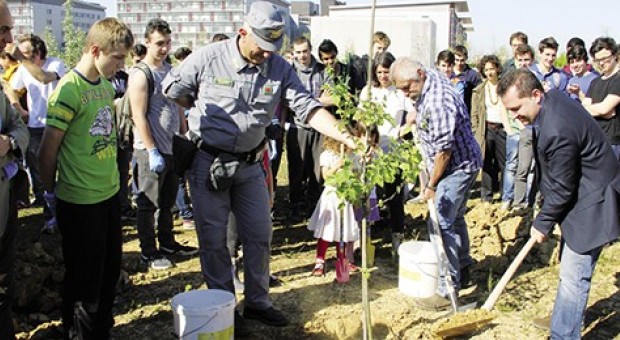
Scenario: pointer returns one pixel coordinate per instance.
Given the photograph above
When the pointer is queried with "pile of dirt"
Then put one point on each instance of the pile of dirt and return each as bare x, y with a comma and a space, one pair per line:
317, 307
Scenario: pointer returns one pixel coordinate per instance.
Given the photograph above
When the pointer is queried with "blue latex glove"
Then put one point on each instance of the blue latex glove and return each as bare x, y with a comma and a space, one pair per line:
10, 169
51, 201
156, 161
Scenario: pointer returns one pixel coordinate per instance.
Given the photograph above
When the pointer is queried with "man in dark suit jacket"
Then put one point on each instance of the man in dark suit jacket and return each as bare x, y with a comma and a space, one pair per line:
580, 183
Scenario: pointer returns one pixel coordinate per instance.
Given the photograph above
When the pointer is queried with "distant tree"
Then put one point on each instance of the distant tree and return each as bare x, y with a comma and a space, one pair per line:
53, 48
560, 61
74, 37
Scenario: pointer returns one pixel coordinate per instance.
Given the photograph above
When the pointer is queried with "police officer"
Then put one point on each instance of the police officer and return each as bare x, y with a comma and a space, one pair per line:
233, 88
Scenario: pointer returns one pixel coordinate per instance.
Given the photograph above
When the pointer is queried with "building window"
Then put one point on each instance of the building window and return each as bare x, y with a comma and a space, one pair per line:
49, 22
49, 11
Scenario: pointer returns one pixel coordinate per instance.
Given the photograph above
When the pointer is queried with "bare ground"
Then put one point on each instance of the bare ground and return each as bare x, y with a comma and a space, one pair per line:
318, 307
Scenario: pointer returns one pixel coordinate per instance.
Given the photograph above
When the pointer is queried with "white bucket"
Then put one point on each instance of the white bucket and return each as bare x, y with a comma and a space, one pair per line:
204, 314
418, 269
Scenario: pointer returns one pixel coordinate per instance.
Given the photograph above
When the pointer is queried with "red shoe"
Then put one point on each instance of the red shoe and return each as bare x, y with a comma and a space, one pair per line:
319, 269
353, 268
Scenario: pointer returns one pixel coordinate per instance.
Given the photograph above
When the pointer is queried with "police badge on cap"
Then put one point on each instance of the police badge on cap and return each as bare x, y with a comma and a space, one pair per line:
267, 25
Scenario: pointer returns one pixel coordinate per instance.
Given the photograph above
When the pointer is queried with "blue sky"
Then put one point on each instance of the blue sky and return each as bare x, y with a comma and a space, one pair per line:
494, 20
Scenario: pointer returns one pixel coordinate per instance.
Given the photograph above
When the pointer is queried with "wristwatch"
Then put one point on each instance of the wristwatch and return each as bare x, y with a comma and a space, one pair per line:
434, 188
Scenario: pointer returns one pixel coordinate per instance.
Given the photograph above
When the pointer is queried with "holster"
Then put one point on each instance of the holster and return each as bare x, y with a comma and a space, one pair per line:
222, 171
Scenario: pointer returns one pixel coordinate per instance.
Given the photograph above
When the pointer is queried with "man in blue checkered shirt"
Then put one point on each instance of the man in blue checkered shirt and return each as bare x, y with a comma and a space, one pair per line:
453, 159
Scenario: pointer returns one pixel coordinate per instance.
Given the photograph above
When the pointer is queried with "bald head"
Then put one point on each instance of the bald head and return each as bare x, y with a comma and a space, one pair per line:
6, 25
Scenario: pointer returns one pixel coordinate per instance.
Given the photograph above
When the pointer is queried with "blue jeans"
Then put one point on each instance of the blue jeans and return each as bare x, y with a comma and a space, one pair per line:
510, 171
182, 201
451, 203
570, 302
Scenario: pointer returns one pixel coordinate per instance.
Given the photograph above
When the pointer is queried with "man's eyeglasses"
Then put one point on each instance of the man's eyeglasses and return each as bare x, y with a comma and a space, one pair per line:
603, 59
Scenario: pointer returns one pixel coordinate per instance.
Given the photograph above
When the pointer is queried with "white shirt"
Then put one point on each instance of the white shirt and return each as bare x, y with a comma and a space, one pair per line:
38, 93
396, 104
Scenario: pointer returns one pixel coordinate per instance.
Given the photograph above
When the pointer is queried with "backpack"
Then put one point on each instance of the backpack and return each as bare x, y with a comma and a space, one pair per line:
124, 119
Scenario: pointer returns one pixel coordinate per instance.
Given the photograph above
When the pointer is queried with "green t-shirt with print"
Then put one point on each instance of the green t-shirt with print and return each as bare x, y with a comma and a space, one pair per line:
87, 171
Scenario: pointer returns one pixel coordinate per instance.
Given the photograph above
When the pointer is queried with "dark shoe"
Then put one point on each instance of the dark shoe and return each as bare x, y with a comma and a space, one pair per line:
241, 328
39, 202
178, 249
156, 261
543, 323
466, 277
269, 316
50, 226
128, 215
434, 303
274, 281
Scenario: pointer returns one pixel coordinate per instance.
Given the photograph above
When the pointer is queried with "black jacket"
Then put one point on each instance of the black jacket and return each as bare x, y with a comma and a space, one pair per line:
580, 179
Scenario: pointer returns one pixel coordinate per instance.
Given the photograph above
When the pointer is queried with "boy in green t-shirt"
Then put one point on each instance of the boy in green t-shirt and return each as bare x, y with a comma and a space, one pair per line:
79, 173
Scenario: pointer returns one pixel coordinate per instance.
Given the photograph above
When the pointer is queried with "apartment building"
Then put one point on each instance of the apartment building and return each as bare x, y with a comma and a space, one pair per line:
193, 22
418, 28
37, 16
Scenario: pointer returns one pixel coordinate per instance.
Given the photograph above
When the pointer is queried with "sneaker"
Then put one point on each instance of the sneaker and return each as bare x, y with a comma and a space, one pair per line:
506, 205
319, 269
39, 202
49, 227
543, 323
418, 199
435, 303
353, 268
274, 281
156, 261
178, 249
128, 215
269, 316
189, 224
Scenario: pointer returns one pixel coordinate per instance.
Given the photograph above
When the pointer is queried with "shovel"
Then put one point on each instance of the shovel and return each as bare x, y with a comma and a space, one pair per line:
342, 263
472, 321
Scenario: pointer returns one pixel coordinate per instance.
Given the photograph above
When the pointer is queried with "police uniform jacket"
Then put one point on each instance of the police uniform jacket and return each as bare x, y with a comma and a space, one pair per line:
235, 100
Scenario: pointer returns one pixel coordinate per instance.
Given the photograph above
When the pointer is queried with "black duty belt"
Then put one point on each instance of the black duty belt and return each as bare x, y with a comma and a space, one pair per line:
251, 156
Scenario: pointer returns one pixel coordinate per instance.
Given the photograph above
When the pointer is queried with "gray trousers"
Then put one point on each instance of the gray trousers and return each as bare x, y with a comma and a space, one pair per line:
155, 192
248, 199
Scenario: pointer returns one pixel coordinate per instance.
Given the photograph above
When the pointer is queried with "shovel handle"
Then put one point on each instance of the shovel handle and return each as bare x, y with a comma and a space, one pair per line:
499, 288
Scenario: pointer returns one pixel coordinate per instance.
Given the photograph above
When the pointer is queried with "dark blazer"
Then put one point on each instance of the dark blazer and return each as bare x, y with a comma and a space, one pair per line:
580, 180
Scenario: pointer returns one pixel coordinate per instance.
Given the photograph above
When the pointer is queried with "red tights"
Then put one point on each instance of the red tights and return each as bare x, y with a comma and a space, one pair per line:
322, 245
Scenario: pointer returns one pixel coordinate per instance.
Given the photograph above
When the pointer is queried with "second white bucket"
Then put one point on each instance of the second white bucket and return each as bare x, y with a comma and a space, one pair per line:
204, 314
418, 269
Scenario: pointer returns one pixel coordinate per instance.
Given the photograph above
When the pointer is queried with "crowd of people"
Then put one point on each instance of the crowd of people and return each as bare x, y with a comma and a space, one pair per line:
207, 136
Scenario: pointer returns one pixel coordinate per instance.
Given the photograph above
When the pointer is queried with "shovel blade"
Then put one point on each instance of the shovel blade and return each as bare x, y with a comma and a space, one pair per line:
468, 306
342, 268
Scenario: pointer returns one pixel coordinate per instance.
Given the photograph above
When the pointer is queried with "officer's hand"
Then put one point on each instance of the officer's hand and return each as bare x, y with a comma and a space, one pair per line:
156, 161
537, 235
51, 201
